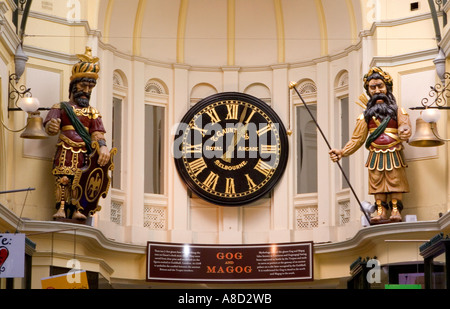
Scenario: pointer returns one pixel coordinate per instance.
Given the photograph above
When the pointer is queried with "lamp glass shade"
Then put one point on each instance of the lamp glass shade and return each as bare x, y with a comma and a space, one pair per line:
29, 104
431, 115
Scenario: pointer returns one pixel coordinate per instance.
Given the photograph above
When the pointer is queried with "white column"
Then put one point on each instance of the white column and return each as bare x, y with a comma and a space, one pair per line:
179, 211
325, 180
135, 211
282, 203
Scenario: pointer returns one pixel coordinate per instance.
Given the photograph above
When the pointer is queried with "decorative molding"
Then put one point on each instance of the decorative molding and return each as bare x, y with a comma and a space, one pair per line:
65, 22
86, 234
396, 22
307, 87
44, 54
342, 81
385, 231
117, 80
390, 61
153, 86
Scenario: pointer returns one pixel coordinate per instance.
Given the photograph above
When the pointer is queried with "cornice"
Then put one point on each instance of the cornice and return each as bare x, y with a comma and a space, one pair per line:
390, 61
87, 234
385, 232
49, 55
65, 22
396, 22
8, 219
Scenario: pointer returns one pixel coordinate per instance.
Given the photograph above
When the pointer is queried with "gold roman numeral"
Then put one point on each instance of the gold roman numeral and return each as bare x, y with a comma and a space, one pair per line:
251, 183
197, 166
213, 115
264, 130
249, 117
232, 111
211, 180
202, 131
193, 148
269, 148
263, 168
229, 187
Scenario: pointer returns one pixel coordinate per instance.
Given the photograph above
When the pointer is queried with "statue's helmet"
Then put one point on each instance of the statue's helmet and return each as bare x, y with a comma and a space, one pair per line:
87, 67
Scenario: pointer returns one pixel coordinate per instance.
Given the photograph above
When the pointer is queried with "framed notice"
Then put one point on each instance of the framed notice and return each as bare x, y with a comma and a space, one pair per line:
12, 255
229, 263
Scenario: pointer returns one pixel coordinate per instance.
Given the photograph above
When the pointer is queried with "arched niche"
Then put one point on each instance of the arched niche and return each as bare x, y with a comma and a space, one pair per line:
201, 91
259, 90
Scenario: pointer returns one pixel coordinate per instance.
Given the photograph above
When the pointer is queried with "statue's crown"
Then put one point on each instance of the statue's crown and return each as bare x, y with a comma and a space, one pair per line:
88, 66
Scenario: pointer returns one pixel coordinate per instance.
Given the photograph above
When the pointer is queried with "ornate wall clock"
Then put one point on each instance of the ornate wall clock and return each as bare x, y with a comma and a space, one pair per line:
231, 148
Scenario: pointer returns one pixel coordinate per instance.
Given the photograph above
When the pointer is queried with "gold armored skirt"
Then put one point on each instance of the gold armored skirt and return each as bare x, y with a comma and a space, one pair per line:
387, 172
68, 159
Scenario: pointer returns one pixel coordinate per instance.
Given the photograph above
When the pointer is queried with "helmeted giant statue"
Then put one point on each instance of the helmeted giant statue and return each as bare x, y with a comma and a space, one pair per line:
79, 180
382, 127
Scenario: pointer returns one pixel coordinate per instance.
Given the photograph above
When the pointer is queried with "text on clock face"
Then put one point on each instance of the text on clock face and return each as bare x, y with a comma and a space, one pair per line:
228, 131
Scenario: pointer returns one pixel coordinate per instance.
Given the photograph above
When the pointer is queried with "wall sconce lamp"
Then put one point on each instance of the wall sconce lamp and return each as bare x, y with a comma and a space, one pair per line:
426, 134
21, 99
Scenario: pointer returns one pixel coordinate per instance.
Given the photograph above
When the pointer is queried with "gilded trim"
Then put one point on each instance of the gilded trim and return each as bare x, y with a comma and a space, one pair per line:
280, 31
107, 25
323, 28
352, 20
231, 32
71, 128
138, 24
71, 143
181, 32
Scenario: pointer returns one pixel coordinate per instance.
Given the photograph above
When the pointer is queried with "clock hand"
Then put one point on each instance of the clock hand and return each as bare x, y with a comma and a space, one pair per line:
244, 112
237, 137
240, 132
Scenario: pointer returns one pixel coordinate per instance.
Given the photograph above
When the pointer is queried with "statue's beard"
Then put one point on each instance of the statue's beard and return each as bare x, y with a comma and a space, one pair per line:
81, 98
381, 110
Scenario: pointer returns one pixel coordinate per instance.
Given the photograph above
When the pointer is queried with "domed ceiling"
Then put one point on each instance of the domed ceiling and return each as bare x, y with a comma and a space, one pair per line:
219, 33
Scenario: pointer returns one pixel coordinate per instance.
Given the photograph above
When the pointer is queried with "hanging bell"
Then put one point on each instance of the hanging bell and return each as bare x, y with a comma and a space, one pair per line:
35, 127
426, 135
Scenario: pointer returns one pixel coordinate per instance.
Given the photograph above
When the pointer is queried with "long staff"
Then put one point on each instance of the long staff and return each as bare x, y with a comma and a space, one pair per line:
293, 85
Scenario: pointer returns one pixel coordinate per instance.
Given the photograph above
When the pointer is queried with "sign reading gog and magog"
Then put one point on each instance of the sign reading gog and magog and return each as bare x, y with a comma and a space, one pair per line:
229, 263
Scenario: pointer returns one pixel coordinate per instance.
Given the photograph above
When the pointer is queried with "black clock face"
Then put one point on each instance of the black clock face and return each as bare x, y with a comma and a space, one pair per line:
231, 148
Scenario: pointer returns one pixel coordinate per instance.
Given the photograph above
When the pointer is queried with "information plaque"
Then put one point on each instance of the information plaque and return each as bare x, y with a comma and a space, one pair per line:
229, 263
